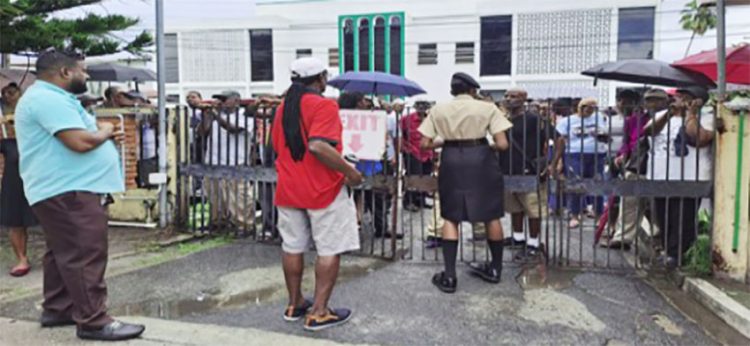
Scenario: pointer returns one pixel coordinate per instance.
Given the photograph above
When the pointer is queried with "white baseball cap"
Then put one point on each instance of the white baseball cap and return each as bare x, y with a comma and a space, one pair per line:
306, 67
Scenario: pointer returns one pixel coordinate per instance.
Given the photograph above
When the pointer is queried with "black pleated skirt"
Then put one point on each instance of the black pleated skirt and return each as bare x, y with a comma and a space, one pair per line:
470, 184
14, 208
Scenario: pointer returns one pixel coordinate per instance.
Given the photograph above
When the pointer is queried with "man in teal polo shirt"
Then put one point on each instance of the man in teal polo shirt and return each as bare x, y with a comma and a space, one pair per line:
67, 163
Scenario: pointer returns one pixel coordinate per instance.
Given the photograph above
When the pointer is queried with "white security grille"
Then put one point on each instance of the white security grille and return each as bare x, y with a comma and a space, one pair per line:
214, 56
564, 41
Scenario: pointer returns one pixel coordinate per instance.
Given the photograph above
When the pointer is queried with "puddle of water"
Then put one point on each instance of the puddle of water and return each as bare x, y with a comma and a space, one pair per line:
233, 297
539, 276
667, 325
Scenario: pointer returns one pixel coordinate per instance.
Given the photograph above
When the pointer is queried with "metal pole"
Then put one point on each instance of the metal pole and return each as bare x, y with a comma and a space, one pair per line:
721, 54
160, 62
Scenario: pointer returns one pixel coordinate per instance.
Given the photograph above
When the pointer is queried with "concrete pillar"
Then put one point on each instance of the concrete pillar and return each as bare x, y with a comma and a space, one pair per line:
728, 261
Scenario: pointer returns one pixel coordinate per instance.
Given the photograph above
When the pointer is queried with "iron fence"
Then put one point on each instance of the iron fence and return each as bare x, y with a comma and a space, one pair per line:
640, 204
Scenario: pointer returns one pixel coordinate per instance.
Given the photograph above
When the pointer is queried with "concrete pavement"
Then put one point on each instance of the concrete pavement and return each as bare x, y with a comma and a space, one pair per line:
130, 249
158, 332
241, 286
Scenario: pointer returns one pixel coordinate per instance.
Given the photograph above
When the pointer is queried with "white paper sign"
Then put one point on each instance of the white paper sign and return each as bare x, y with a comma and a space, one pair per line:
364, 133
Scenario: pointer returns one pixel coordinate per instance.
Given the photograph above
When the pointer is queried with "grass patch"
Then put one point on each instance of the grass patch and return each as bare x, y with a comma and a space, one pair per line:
157, 255
201, 245
698, 256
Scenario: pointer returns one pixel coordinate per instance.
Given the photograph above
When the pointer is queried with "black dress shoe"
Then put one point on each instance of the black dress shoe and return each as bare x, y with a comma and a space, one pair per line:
529, 254
668, 262
50, 320
486, 272
388, 235
615, 245
512, 243
444, 283
114, 331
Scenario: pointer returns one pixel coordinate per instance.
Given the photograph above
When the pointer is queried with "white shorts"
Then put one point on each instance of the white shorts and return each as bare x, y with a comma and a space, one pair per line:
333, 229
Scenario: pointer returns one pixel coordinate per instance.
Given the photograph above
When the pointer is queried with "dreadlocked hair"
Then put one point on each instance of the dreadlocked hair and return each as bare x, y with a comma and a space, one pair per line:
291, 119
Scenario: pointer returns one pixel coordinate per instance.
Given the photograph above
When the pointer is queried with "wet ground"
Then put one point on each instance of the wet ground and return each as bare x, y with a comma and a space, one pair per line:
128, 247
241, 285
121, 241
572, 247
737, 291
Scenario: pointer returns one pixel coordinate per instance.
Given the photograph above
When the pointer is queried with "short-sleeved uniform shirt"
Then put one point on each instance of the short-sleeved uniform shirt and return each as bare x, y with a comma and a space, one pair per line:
48, 168
308, 184
464, 118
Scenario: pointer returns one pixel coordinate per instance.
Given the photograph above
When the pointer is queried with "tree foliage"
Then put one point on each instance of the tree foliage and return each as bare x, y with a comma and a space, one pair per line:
27, 25
697, 19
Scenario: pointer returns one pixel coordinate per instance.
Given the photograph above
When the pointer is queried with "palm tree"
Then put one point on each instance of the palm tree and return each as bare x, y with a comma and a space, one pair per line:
697, 19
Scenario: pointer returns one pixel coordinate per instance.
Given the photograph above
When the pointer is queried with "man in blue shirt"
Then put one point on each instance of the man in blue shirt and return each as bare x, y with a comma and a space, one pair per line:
68, 163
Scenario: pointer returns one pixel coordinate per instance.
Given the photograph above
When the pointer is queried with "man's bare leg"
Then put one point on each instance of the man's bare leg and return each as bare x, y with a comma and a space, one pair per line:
326, 273
294, 265
517, 223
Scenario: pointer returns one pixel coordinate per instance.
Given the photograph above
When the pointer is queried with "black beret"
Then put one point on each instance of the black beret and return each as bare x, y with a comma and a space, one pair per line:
461, 78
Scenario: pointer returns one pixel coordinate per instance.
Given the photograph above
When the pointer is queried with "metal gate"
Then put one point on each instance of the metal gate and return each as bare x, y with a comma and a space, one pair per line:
226, 183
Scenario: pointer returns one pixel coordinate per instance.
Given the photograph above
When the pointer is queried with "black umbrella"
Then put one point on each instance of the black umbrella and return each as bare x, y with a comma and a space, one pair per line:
647, 71
119, 73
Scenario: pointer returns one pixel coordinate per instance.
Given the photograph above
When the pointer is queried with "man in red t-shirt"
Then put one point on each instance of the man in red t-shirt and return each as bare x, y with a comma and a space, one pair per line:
314, 206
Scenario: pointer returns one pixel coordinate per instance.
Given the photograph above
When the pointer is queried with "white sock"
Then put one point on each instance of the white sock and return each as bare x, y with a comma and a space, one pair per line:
533, 242
519, 236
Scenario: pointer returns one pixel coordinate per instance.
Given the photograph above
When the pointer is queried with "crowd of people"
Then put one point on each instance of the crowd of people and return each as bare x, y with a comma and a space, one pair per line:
470, 143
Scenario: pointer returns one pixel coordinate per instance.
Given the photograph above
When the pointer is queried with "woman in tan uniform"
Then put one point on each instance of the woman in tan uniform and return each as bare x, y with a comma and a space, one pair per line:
470, 182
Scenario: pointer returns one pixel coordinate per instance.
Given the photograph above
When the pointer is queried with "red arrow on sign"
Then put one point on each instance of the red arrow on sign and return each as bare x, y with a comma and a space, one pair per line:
356, 143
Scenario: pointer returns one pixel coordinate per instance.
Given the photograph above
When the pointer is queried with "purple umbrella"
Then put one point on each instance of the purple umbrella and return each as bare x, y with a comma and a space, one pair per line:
376, 83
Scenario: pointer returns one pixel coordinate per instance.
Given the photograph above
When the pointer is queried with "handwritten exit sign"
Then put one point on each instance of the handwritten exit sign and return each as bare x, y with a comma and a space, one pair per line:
364, 133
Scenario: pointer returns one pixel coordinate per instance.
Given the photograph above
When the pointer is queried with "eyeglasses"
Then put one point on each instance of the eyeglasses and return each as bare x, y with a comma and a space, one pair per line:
68, 51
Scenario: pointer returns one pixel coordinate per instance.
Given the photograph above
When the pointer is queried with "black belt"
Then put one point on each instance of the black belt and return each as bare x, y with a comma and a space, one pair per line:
463, 143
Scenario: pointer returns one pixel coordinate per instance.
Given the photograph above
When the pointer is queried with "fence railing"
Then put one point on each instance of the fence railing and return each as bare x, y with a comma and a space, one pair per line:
594, 188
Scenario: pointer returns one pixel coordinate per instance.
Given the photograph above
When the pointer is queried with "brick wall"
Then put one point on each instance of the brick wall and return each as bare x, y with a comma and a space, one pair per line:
132, 145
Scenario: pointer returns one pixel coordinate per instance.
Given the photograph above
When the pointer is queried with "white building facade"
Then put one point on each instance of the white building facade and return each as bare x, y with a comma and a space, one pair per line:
541, 45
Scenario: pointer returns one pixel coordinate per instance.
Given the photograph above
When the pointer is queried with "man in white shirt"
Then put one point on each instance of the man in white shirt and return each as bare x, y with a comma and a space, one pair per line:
229, 133
682, 140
